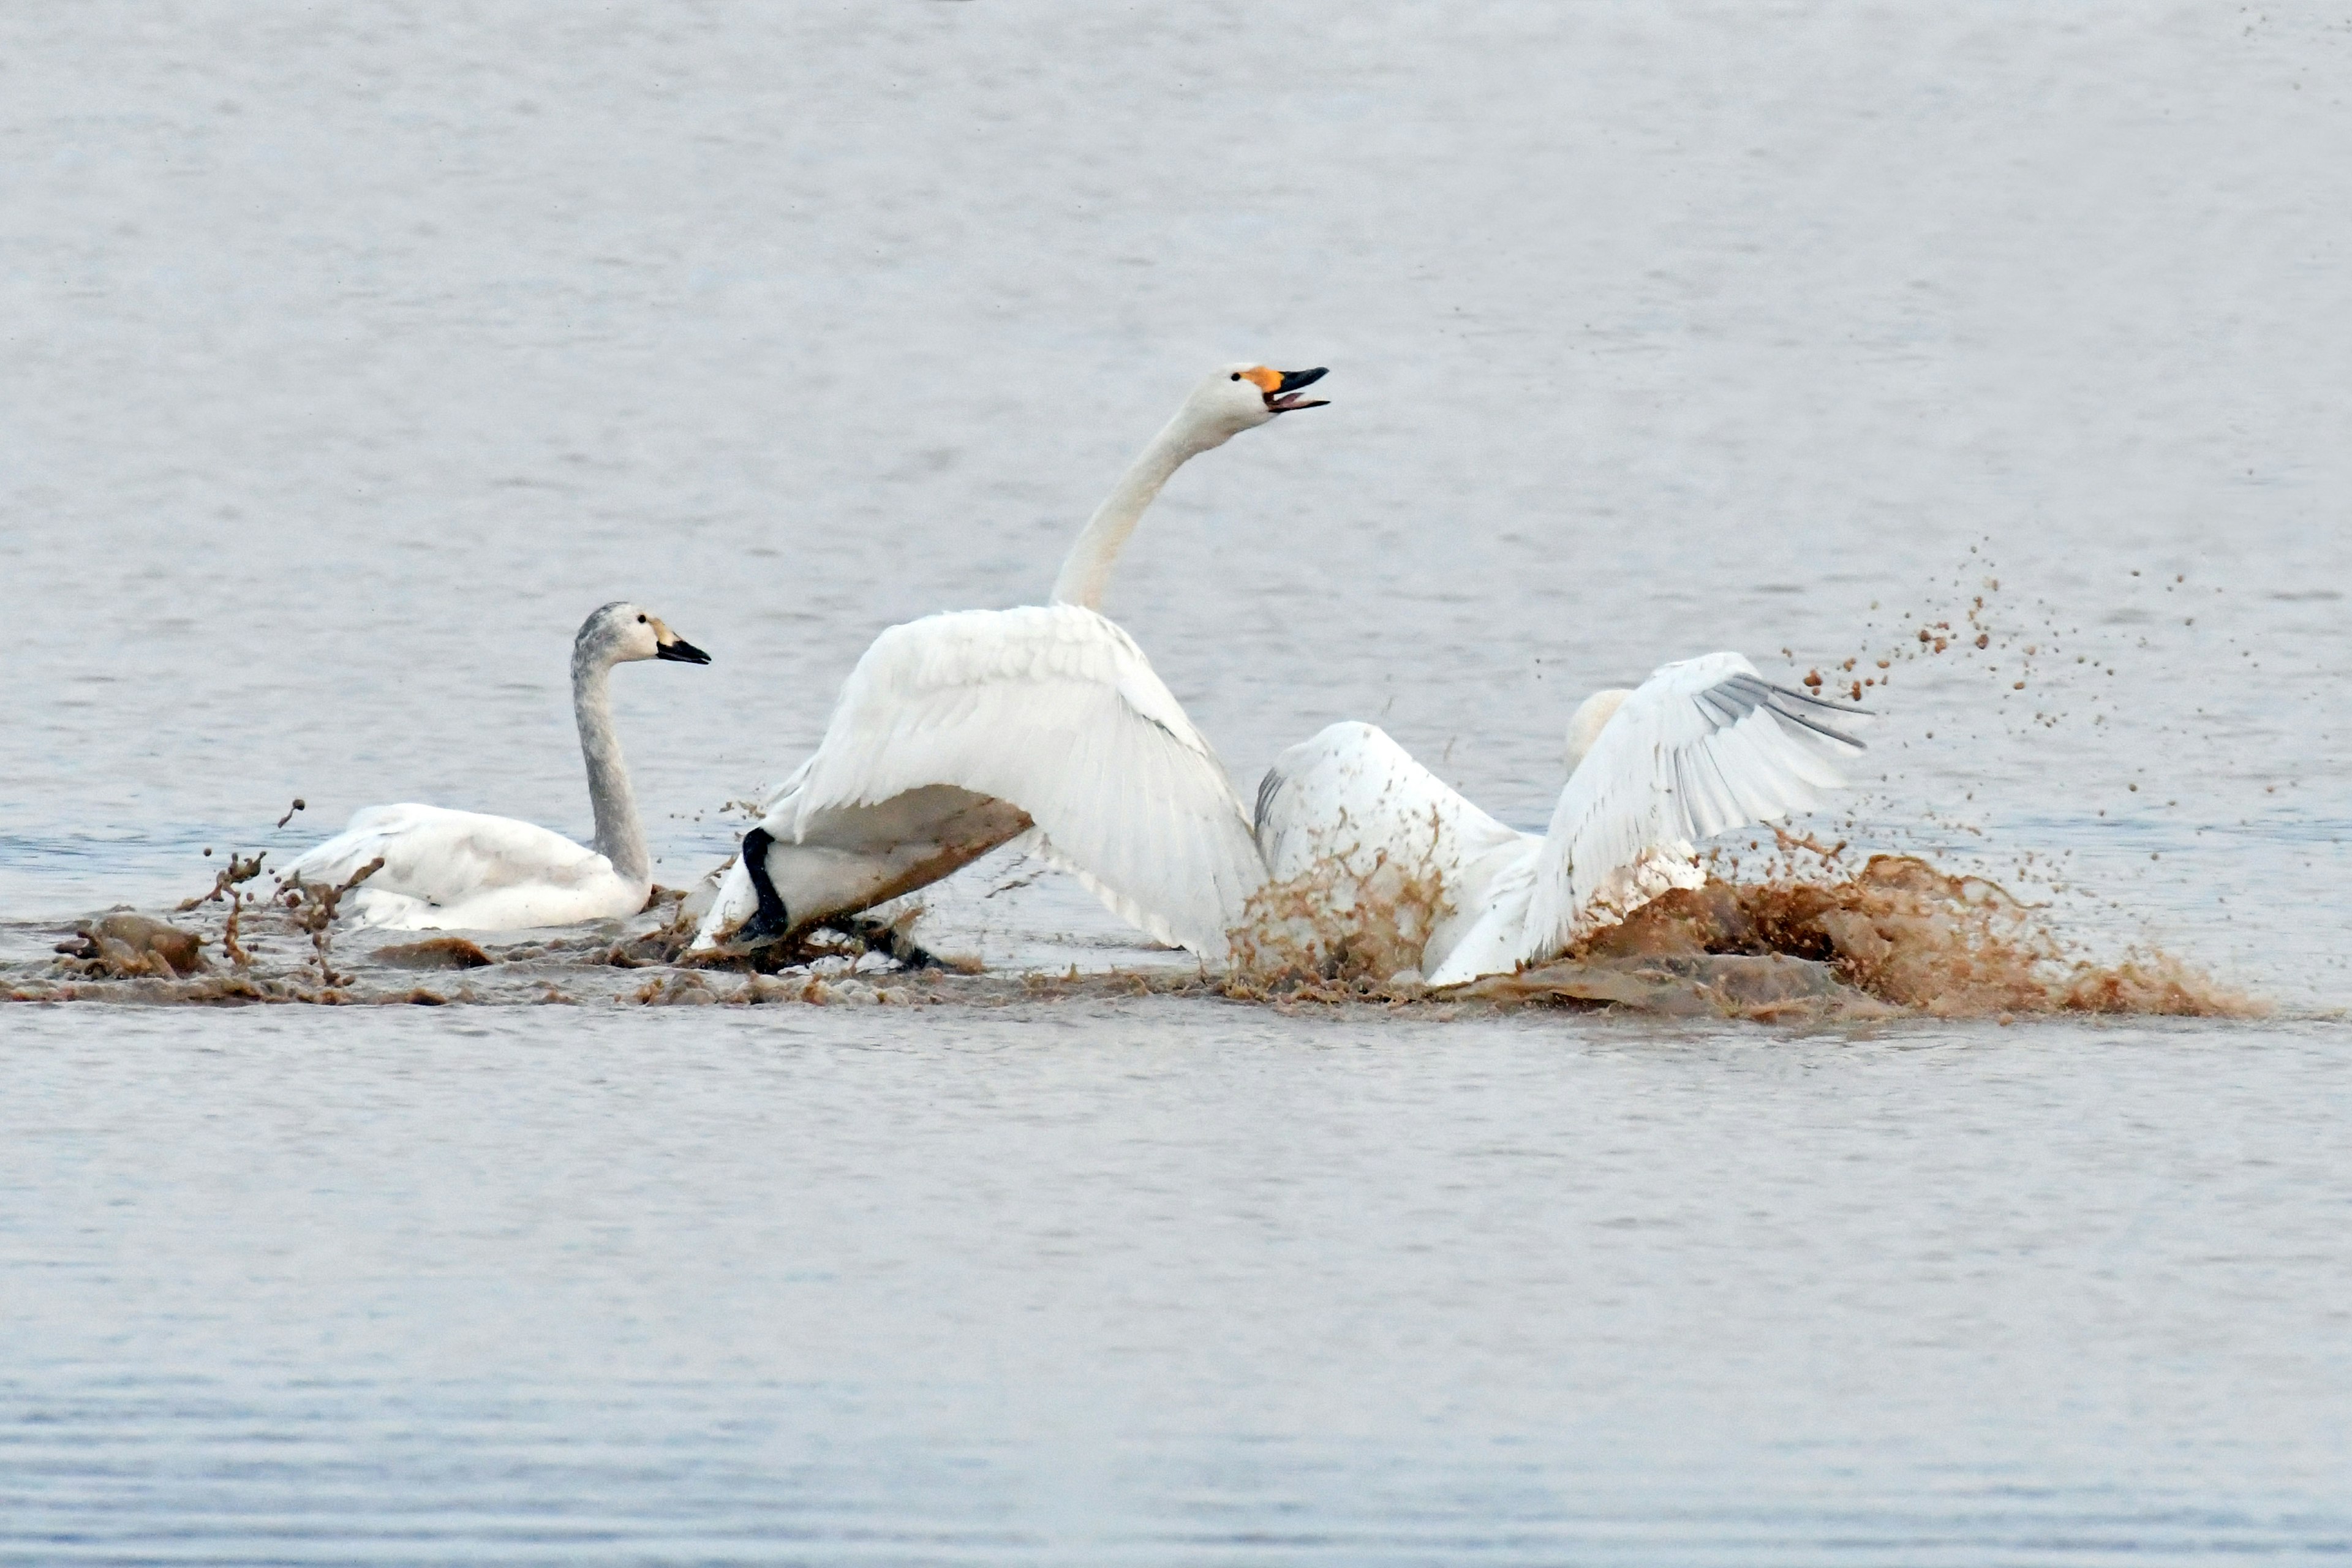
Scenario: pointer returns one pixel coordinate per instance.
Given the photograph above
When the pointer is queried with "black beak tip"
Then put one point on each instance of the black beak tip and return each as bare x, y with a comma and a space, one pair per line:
682, 652
1293, 380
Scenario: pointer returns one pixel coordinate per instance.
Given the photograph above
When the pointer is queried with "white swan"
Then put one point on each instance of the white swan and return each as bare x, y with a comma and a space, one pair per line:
462, 871
1703, 746
958, 733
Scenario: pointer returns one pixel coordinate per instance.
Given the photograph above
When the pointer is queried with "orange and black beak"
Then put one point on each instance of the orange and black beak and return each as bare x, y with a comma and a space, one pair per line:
1282, 387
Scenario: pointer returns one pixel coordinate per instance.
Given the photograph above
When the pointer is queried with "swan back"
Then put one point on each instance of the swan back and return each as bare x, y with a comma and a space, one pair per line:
1356, 831
1351, 792
464, 871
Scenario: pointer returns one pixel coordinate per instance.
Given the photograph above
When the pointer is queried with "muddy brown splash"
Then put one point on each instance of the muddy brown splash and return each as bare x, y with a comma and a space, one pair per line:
1897, 937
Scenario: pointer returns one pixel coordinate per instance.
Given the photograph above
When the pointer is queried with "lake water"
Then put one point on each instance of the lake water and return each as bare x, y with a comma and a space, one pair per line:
1163, 1283
352, 359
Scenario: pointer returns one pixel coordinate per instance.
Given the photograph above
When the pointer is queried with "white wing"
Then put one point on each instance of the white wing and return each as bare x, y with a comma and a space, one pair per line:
1704, 745
1352, 791
446, 857
1055, 710
1352, 822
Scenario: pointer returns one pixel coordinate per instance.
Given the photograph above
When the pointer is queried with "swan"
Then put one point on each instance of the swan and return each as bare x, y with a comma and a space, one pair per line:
463, 871
959, 731
1704, 745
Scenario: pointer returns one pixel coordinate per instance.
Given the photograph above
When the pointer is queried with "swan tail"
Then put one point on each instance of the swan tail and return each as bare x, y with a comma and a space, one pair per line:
732, 900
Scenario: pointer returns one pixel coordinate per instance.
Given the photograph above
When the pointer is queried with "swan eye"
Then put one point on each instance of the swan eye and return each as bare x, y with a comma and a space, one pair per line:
1237, 376
641, 620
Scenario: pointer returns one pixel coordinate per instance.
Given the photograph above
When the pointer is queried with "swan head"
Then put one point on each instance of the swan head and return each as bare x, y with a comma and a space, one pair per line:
619, 632
1592, 717
1243, 396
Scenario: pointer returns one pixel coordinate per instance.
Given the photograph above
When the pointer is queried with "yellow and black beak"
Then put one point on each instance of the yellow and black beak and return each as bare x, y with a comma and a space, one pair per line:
668, 644
1282, 387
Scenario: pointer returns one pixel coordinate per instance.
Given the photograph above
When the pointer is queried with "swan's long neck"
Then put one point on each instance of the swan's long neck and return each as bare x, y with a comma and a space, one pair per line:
1087, 571
620, 837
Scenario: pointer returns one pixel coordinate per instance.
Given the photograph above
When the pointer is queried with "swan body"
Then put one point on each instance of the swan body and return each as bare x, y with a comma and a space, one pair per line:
1703, 746
959, 733
465, 870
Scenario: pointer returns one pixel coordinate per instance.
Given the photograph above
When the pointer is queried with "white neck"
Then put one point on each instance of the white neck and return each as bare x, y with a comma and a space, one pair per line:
620, 838
1086, 573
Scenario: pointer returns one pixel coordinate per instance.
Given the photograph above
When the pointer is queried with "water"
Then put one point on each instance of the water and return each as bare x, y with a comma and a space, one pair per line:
353, 359
1169, 1284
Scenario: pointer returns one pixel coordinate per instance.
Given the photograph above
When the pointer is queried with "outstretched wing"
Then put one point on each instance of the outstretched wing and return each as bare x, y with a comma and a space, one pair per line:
442, 856
1704, 745
1055, 710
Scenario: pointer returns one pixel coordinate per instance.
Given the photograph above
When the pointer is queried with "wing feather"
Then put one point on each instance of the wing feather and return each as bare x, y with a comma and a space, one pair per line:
1703, 746
1054, 710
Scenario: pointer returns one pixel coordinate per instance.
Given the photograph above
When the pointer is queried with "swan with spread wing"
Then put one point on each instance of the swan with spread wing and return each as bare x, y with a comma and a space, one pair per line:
1705, 745
959, 731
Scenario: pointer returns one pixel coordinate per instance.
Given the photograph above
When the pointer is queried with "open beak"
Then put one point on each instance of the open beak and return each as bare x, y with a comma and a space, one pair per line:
1283, 397
668, 644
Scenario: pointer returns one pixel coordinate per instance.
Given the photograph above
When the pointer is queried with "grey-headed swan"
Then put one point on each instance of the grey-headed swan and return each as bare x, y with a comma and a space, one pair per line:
462, 871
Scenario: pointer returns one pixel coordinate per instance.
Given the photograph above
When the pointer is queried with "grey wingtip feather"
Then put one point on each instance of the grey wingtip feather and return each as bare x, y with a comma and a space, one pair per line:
1734, 698
1267, 788
1788, 704
1824, 731
1757, 683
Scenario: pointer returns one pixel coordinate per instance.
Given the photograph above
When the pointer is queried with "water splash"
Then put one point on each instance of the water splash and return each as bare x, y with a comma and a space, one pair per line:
1921, 940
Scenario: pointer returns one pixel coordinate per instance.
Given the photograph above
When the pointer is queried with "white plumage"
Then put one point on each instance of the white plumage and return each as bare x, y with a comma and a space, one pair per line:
959, 733
1703, 746
1051, 711
463, 871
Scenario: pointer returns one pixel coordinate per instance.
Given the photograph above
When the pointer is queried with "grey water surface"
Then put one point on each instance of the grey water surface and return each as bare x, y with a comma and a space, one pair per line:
353, 354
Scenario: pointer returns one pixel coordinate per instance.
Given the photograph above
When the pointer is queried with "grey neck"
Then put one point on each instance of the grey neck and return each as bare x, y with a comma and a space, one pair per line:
1087, 571
620, 838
